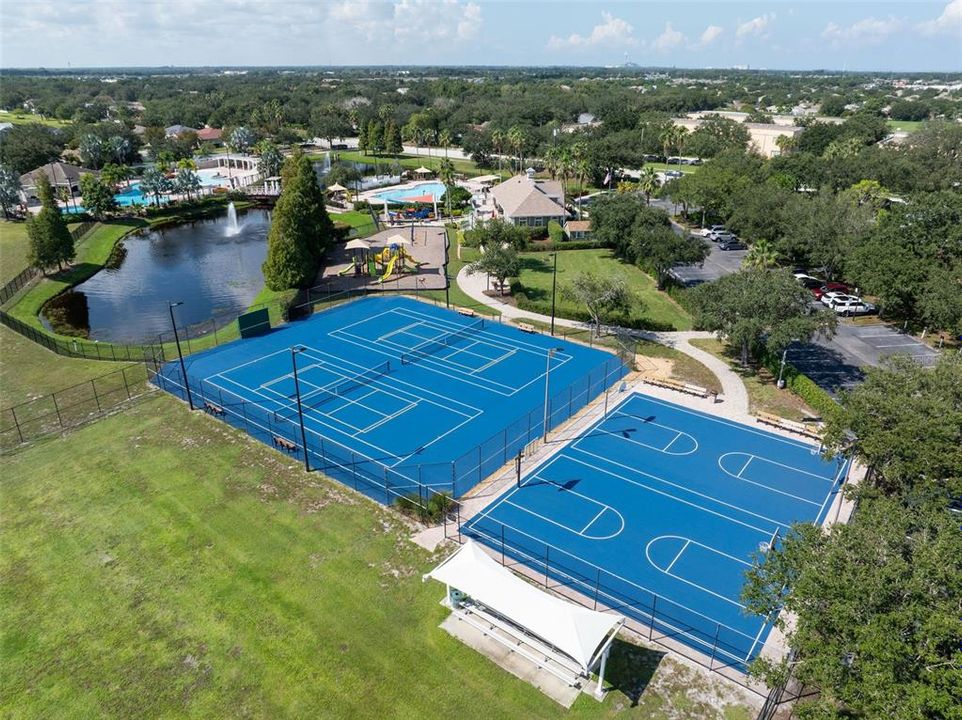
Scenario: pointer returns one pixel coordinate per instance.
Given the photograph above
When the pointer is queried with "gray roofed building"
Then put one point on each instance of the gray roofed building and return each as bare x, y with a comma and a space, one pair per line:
525, 201
60, 175
177, 130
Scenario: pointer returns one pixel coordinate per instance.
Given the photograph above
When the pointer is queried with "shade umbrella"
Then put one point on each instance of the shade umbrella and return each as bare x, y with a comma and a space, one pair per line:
336, 188
423, 171
398, 240
358, 244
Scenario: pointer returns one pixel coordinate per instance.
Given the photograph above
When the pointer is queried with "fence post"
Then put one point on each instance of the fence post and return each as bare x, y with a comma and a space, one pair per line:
547, 549
505, 446
454, 489
96, 397
354, 468
651, 626
597, 586
17, 424
714, 647
386, 501
123, 374
502, 543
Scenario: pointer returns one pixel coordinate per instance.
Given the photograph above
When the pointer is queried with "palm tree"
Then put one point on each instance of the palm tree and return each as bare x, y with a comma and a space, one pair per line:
516, 139
119, 147
582, 166
551, 157
445, 140
760, 256
498, 140
446, 175
648, 183
566, 167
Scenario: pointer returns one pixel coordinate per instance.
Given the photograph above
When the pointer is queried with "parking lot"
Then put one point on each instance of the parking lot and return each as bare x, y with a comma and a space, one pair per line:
838, 363
718, 264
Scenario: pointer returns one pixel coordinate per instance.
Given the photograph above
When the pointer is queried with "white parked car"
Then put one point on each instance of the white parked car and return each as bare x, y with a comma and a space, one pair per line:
859, 307
707, 232
830, 297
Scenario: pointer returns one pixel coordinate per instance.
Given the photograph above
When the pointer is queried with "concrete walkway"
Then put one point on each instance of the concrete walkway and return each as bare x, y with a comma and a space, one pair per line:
734, 396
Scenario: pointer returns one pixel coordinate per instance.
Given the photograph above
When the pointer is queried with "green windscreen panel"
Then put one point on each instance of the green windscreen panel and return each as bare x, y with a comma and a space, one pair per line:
256, 322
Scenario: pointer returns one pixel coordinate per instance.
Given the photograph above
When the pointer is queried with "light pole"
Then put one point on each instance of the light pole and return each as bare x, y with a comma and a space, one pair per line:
547, 377
554, 289
180, 355
300, 410
781, 370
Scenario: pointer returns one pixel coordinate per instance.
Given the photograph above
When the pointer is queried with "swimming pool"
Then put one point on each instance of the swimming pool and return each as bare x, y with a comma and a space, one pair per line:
408, 194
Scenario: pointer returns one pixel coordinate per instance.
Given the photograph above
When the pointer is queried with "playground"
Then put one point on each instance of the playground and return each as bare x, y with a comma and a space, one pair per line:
409, 258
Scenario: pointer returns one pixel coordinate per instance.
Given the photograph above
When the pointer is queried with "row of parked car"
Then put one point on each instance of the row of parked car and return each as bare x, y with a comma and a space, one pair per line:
673, 160
726, 239
835, 295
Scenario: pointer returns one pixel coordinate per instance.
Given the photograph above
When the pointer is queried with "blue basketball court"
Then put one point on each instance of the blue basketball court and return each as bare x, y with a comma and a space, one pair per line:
656, 511
397, 394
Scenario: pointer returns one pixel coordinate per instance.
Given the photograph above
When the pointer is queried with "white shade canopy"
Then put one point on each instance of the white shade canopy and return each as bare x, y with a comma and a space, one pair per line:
358, 244
336, 188
423, 171
576, 631
398, 239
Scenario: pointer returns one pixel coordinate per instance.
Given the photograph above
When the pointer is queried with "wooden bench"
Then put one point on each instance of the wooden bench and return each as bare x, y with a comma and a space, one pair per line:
213, 409
525, 327
790, 425
467, 312
284, 444
677, 386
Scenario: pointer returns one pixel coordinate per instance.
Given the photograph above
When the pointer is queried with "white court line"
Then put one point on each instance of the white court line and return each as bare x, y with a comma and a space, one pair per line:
671, 442
763, 485
911, 344
713, 621
679, 578
316, 417
771, 462
495, 361
667, 570
389, 418
431, 365
640, 397
595, 467
305, 398
619, 436
757, 638
512, 344
592, 521
744, 467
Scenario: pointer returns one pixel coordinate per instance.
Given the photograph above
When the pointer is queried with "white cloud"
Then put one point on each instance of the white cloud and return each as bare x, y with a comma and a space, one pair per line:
612, 31
669, 39
755, 26
432, 20
711, 34
948, 23
867, 31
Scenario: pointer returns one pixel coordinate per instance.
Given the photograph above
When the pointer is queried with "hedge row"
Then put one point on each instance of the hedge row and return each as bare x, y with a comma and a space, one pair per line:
566, 245
803, 386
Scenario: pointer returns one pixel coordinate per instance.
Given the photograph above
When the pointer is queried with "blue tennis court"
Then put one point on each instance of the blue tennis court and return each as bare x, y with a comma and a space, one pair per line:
656, 511
397, 395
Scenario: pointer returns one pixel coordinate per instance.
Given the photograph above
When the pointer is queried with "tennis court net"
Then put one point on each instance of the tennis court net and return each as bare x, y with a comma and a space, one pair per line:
432, 346
322, 396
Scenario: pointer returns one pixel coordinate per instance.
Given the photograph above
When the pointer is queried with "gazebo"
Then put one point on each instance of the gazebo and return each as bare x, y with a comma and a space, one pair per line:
561, 638
423, 171
336, 188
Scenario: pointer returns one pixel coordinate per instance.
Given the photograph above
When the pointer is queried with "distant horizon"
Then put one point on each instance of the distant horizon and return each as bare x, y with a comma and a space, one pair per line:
441, 66
776, 35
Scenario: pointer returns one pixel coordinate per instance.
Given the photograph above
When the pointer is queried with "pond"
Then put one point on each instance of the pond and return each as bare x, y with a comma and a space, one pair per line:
213, 270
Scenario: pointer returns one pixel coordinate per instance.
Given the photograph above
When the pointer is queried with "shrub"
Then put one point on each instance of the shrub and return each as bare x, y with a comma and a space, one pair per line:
431, 511
555, 232
549, 246
362, 205
803, 386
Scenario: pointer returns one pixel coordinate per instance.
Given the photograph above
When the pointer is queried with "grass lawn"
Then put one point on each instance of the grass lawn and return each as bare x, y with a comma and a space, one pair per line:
21, 118
28, 370
763, 394
536, 277
458, 297
158, 563
411, 162
362, 223
14, 248
909, 126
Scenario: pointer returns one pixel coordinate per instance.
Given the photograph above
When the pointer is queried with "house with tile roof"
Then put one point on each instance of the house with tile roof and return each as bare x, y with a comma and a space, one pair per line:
529, 202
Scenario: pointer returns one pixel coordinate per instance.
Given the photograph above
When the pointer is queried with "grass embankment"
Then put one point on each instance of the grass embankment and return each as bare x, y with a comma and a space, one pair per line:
655, 306
763, 393
184, 570
409, 162
93, 251
14, 249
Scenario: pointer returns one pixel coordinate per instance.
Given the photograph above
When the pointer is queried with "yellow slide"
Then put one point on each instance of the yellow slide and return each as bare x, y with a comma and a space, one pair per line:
389, 270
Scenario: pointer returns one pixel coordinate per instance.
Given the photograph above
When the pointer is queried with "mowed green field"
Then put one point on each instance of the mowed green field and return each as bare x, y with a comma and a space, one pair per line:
159, 564
14, 248
536, 277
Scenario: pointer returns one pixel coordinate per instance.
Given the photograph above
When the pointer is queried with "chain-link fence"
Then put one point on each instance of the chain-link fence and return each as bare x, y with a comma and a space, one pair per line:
72, 406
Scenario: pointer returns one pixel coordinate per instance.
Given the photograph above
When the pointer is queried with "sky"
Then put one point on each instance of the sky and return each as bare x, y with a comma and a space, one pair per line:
911, 35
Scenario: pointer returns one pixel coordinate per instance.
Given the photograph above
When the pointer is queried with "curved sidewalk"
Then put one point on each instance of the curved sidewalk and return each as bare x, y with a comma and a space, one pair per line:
735, 397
